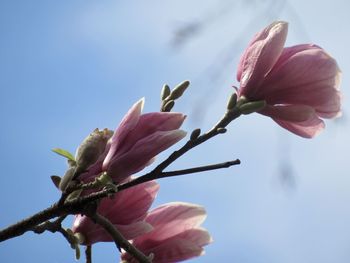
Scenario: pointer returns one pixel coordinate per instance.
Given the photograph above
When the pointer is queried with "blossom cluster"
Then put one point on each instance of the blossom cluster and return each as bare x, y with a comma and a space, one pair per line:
297, 86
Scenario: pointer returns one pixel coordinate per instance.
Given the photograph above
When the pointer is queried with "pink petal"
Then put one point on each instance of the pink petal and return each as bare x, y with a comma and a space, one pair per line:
127, 124
292, 113
130, 204
303, 74
150, 123
173, 218
142, 152
306, 129
260, 56
183, 246
94, 233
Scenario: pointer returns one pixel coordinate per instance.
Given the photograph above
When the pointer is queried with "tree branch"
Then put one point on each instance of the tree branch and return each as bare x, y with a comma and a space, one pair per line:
77, 205
118, 238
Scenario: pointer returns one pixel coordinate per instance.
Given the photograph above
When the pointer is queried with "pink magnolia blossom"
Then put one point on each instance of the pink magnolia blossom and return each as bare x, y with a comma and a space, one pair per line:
176, 234
126, 210
298, 83
136, 142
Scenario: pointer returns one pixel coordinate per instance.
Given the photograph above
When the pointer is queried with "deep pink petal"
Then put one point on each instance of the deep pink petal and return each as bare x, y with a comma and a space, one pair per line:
128, 123
150, 123
130, 204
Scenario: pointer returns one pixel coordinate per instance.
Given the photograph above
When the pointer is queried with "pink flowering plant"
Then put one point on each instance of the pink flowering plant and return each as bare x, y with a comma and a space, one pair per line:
296, 86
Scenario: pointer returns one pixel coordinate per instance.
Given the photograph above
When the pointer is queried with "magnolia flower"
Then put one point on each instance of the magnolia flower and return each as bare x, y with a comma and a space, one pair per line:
298, 83
126, 211
176, 234
136, 142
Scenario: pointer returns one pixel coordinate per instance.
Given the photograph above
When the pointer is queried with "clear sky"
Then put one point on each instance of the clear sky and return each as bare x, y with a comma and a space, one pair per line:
67, 67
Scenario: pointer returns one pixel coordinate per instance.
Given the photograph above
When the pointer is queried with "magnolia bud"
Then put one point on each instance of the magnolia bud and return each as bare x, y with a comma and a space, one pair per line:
168, 106
165, 92
251, 107
179, 90
91, 148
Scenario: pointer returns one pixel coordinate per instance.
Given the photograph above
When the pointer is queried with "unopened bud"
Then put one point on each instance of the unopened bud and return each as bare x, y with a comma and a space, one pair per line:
168, 106
195, 134
91, 148
165, 92
232, 102
251, 107
179, 90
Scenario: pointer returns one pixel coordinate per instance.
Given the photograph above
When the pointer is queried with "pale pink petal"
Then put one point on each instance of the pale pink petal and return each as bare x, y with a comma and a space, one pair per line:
134, 230
292, 113
128, 123
173, 218
306, 71
183, 246
260, 57
142, 152
306, 129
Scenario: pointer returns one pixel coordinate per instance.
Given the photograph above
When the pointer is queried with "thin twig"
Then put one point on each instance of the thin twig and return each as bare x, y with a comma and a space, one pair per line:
150, 177
118, 238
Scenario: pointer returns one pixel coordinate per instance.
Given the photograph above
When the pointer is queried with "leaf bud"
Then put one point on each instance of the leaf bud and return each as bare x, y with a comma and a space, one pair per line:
195, 134
232, 102
221, 130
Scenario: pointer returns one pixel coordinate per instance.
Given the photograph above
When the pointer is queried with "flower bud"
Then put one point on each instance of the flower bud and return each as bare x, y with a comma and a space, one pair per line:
91, 149
179, 90
168, 106
165, 92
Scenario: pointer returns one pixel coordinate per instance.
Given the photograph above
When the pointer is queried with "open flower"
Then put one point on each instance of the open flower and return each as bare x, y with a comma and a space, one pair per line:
176, 234
136, 142
126, 211
298, 83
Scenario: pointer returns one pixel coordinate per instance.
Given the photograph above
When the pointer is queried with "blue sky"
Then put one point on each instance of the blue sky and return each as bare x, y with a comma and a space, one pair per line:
68, 67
